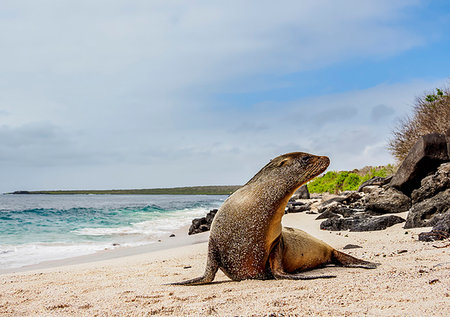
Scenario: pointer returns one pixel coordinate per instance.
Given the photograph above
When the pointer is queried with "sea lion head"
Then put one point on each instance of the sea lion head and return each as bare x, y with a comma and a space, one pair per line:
291, 170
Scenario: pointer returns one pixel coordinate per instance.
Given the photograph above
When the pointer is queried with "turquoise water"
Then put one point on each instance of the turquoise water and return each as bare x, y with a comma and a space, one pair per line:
36, 228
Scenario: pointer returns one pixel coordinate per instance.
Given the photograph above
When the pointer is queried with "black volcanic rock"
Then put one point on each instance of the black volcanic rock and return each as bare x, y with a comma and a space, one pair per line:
425, 156
433, 184
362, 223
327, 214
376, 223
390, 200
375, 181
202, 224
303, 192
428, 212
440, 231
335, 209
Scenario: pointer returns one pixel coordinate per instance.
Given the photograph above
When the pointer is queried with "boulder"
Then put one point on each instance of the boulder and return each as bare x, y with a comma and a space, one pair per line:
327, 214
386, 201
338, 199
361, 223
447, 136
329, 210
432, 184
440, 231
303, 192
210, 216
425, 156
376, 223
429, 212
202, 224
336, 224
352, 197
375, 181
346, 198
296, 207
369, 189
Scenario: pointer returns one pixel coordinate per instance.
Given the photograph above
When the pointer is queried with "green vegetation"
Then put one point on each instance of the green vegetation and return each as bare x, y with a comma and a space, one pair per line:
193, 190
431, 113
335, 182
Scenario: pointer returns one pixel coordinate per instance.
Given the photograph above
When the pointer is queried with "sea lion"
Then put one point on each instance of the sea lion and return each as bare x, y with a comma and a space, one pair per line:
247, 240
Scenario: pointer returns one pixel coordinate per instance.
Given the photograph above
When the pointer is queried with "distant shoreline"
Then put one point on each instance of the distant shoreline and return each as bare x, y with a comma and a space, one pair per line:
189, 190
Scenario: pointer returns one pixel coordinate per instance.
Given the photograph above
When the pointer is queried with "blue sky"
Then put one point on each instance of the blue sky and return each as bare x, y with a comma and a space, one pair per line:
138, 94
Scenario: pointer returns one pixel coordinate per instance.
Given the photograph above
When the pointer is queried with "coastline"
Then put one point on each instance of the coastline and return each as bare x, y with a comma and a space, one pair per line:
413, 279
181, 239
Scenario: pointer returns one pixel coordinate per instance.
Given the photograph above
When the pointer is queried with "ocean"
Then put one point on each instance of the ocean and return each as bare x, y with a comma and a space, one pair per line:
38, 228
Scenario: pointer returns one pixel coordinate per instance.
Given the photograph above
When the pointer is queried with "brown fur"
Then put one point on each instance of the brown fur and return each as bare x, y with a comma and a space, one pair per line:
247, 240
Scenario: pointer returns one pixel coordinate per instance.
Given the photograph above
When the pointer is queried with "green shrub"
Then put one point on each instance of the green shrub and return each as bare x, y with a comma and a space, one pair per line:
352, 182
335, 182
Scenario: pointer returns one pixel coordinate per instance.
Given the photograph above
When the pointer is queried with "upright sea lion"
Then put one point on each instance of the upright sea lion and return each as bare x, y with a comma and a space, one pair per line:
247, 240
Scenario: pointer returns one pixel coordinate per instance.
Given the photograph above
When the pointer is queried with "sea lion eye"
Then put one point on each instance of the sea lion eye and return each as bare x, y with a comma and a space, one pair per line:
305, 159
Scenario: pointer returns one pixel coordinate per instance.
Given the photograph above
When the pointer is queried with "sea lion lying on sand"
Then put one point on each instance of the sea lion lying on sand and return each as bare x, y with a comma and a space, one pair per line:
247, 240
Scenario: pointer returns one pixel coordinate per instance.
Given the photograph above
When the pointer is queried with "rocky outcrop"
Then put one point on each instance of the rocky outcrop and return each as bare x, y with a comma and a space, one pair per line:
431, 205
361, 223
428, 206
202, 224
376, 223
297, 206
387, 200
302, 193
421, 186
297, 203
425, 176
440, 231
336, 209
429, 212
424, 157
447, 136
432, 184
355, 211
327, 214
375, 181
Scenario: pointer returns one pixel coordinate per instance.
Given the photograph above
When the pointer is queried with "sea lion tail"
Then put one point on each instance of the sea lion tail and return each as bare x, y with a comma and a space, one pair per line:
343, 259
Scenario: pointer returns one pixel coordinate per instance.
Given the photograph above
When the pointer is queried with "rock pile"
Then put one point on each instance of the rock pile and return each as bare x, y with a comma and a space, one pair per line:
363, 211
425, 176
202, 224
297, 202
421, 187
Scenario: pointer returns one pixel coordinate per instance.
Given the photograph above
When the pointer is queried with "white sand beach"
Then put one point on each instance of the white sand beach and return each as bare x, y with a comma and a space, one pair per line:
412, 280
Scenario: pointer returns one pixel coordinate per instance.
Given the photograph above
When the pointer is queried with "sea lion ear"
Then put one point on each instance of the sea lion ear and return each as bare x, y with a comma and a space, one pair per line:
282, 162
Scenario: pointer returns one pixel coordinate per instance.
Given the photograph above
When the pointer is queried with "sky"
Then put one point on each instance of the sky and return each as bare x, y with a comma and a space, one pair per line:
114, 94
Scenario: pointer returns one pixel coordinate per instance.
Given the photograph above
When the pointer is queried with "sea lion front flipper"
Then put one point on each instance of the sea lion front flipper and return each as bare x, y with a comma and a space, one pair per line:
343, 259
212, 265
276, 268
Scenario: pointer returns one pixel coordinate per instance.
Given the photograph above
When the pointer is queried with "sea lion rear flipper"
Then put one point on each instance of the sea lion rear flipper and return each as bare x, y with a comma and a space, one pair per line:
343, 259
276, 268
212, 265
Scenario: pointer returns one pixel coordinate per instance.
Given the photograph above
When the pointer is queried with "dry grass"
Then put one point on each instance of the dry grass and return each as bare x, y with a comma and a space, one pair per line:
431, 113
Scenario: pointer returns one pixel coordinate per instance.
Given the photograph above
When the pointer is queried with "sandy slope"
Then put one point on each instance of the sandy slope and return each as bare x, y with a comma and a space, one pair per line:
413, 280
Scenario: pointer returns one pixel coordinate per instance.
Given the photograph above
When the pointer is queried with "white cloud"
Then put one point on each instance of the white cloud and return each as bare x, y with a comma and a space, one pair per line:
126, 91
